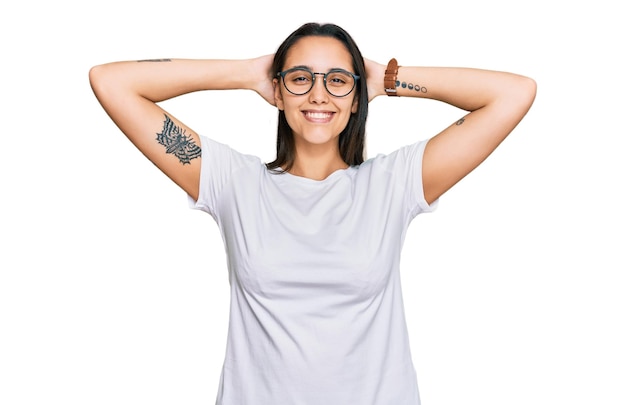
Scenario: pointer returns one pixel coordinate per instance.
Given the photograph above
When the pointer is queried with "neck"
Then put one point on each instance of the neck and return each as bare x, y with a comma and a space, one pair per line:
317, 165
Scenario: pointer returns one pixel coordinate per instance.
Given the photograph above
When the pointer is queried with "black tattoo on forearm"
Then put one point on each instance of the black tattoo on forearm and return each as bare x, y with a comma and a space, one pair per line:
177, 142
461, 121
154, 60
411, 86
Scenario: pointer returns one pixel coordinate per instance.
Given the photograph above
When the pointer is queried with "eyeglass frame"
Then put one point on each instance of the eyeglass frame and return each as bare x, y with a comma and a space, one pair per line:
313, 76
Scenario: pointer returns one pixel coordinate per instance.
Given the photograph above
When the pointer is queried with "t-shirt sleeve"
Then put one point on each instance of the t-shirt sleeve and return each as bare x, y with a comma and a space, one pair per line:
219, 162
408, 164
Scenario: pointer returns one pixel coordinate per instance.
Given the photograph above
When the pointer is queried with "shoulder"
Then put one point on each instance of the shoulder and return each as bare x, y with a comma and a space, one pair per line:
400, 158
216, 153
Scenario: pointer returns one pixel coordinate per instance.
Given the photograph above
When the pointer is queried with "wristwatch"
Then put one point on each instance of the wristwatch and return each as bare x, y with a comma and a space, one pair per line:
391, 75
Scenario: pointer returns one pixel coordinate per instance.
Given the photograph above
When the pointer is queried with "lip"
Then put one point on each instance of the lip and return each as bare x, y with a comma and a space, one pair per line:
318, 116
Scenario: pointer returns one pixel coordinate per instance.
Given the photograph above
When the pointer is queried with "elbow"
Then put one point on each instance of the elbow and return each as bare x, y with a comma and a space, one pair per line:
105, 80
527, 90
97, 78
518, 95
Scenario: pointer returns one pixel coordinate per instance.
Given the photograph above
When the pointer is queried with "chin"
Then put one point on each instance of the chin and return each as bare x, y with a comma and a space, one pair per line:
320, 139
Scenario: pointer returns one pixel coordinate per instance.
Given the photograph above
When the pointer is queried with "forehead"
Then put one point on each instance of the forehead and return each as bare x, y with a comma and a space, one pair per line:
319, 54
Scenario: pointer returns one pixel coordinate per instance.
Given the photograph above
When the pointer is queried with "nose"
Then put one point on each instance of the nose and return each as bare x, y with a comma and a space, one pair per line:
318, 93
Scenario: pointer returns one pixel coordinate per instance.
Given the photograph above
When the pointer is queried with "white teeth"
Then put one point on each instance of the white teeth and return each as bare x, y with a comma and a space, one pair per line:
318, 115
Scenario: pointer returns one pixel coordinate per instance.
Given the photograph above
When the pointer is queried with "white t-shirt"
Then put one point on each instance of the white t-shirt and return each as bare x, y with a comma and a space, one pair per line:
316, 314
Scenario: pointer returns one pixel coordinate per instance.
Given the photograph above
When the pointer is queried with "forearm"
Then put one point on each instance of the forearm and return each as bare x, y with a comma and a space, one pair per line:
465, 88
158, 80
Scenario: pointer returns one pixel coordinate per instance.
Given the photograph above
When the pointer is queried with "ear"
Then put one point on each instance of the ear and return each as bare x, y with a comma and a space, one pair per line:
278, 96
355, 105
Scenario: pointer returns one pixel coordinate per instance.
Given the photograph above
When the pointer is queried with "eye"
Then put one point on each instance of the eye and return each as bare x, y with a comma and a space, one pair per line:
298, 77
339, 78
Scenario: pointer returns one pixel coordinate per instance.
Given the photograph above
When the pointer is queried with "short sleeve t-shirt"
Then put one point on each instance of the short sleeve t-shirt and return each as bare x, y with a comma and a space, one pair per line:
316, 310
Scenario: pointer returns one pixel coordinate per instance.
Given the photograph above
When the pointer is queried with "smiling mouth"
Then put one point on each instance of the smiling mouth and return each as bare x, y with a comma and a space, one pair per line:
317, 116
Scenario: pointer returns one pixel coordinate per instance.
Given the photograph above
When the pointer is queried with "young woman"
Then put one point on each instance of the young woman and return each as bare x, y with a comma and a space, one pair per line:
313, 239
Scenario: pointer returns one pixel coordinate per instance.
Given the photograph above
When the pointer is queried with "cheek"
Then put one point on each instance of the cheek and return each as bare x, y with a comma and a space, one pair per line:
292, 115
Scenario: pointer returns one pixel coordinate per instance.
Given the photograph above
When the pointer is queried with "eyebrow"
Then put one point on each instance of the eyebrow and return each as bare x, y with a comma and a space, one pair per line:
313, 70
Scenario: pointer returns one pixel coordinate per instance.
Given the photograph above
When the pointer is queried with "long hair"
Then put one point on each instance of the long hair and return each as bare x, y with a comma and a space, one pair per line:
352, 138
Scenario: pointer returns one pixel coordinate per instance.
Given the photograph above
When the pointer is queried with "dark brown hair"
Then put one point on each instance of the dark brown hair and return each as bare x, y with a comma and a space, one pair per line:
352, 138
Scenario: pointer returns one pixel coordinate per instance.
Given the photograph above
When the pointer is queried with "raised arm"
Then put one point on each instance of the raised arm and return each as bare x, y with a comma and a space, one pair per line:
129, 92
496, 102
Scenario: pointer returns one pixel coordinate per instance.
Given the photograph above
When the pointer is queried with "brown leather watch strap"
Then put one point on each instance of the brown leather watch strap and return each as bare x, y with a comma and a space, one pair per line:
391, 75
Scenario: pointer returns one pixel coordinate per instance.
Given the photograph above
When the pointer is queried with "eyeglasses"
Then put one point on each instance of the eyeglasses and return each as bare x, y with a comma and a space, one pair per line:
299, 81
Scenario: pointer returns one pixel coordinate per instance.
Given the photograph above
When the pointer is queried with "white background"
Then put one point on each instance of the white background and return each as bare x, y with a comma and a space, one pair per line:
112, 291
